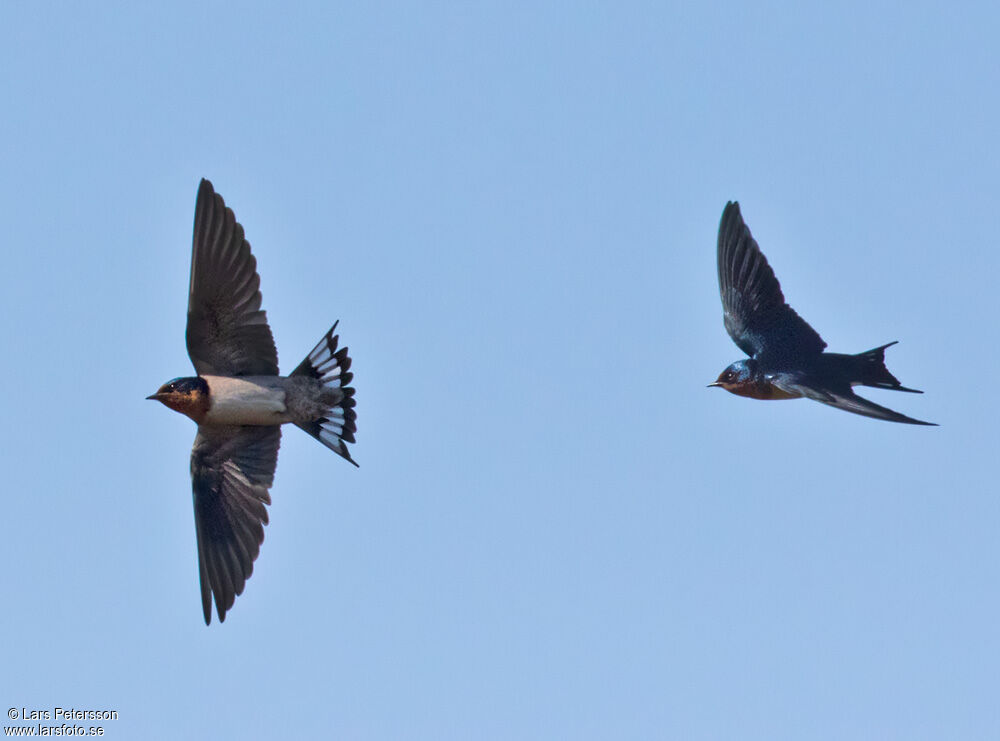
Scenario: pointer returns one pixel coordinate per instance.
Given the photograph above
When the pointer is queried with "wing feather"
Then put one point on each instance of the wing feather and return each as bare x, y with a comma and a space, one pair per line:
843, 397
754, 310
227, 332
232, 469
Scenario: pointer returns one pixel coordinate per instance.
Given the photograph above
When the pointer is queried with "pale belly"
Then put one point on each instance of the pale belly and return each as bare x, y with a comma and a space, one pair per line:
246, 401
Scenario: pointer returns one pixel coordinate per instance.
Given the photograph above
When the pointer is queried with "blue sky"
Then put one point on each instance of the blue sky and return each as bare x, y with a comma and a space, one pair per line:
556, 530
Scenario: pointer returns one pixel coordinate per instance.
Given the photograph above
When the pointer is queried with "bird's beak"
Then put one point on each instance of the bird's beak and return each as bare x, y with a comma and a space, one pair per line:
155, 397
714, 383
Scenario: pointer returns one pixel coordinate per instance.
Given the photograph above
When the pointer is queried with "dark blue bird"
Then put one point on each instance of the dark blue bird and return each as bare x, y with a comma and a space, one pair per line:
786, 354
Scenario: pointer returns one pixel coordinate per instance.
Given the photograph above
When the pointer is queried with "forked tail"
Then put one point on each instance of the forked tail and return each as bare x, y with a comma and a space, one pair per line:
330, 367
872, 371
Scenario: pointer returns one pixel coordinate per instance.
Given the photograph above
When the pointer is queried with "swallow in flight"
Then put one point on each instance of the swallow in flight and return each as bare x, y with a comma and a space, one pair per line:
239, 401
786, 354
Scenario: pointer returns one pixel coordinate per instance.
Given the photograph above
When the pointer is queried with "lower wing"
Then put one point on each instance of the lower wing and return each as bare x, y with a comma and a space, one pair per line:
851, 402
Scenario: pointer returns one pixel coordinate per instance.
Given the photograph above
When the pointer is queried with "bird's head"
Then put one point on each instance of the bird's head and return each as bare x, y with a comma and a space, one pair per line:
188, 396
736, 377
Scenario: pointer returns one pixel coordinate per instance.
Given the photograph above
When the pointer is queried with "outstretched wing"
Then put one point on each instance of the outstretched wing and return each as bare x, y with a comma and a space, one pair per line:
232, 469
851, 402
843, 397
756, 316
227, 332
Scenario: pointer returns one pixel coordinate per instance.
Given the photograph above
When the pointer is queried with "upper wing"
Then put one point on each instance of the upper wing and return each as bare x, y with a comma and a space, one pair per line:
227, 333
231, 470
756, 315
